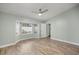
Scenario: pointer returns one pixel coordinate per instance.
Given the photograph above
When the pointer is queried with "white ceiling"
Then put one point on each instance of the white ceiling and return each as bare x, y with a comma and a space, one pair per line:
25, 9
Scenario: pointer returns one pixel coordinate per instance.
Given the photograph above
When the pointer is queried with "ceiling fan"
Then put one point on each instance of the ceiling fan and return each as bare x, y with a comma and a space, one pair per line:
40, 11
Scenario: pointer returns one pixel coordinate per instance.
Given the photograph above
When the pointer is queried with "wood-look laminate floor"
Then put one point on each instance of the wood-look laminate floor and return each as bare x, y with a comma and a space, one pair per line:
44, 46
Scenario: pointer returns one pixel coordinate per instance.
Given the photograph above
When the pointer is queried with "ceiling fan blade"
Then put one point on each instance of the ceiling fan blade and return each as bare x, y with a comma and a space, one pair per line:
44, 11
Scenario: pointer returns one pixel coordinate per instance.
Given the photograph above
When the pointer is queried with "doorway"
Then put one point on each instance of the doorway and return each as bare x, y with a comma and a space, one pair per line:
48, 30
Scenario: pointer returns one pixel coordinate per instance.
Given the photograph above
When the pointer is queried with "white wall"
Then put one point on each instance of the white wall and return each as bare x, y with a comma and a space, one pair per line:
66, 26
8, 28
43, 30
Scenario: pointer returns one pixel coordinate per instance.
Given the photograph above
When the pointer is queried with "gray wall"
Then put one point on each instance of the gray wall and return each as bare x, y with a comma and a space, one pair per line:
7, 28
66, 26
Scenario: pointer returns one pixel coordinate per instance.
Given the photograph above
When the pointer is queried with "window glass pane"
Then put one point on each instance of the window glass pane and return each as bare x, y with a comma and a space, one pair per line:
26, 28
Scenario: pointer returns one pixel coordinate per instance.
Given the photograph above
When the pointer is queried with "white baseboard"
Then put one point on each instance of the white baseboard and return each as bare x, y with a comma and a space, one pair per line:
12, 43
73, 43
8, 44
43, 37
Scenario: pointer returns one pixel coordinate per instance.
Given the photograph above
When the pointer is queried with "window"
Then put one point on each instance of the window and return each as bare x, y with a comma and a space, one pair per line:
26, 28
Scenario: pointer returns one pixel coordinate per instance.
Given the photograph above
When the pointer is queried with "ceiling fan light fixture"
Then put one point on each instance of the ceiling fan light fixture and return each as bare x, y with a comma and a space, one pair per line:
40, 14
40, 11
